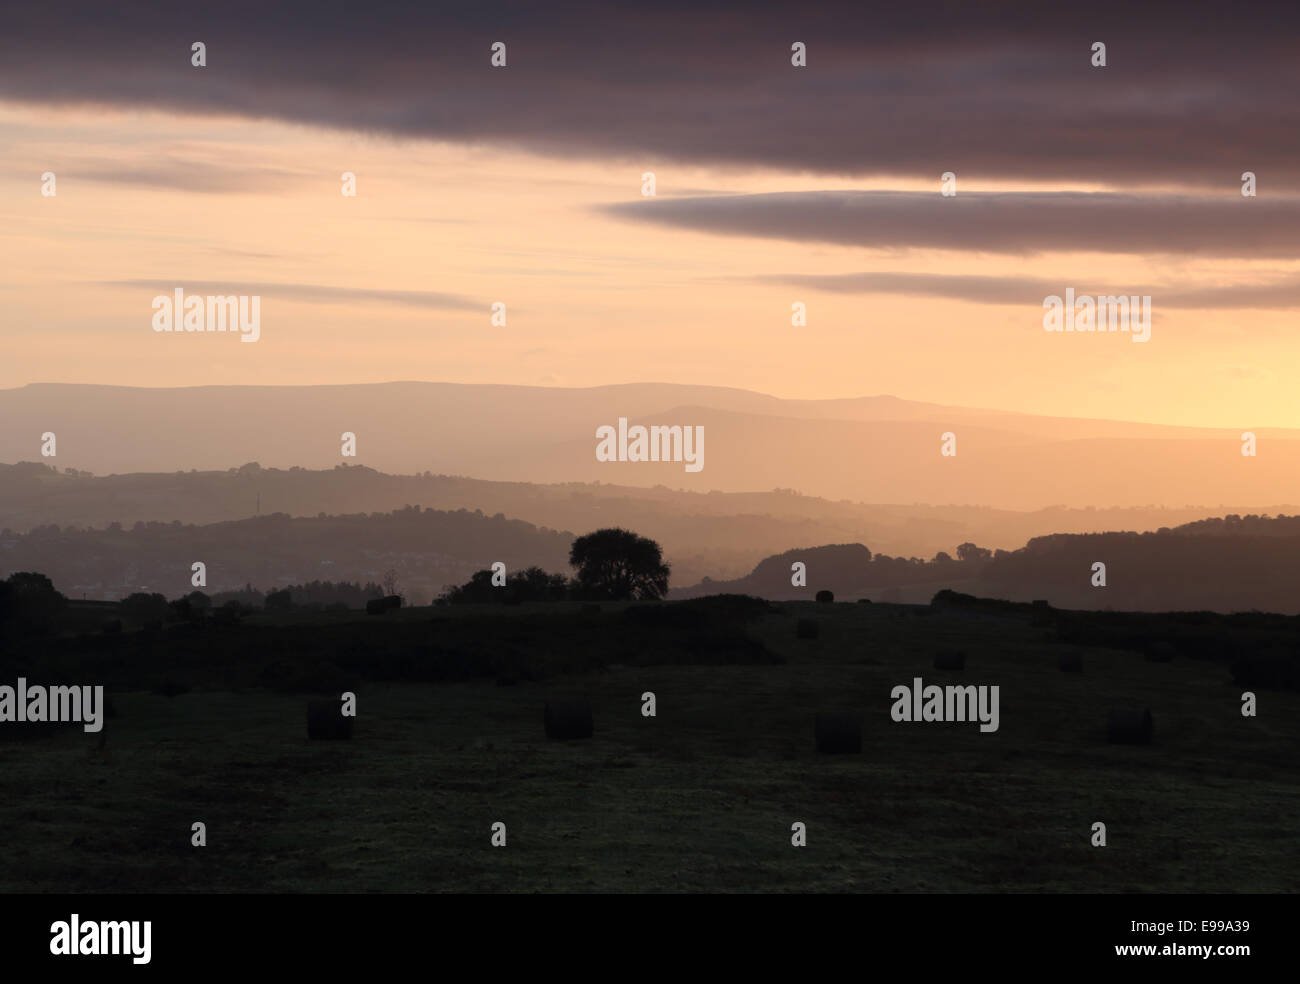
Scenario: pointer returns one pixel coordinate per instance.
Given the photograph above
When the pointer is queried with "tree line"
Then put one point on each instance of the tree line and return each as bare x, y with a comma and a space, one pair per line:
611, 564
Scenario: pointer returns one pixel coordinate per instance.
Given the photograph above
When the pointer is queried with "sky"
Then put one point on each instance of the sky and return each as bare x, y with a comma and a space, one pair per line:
775, 185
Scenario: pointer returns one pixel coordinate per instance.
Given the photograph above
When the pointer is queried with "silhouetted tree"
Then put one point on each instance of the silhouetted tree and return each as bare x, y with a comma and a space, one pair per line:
246, 597
477, 589
617, 564
29, 604
533, 584
968, 551
144, 607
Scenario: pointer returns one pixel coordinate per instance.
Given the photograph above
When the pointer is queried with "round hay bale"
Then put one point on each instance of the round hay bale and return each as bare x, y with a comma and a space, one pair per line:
838, 732
1129, 726
566, 720
806, 628
1070, 662
325, 720
825, 597
950, 659
376, 606
393, 601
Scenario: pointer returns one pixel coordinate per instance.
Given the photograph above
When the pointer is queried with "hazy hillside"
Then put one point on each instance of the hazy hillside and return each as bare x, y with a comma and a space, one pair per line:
717, 535
848, 570
428, 549
877, 449
1184, 569
1230, 565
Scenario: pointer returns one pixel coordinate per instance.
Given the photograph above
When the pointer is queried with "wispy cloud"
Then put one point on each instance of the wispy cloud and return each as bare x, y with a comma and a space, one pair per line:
993, 222
1276, 295
194, 176
311, 293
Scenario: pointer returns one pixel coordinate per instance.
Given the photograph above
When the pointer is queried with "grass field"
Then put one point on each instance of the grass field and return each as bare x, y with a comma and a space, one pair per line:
700, 798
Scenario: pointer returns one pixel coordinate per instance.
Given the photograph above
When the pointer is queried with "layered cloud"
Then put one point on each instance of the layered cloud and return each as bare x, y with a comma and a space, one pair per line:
1281, 294
478, 185
1191, 94
993, 222
194, 176
312, 293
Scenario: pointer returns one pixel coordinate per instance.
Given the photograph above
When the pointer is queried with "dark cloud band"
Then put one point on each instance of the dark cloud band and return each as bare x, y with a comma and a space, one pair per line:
994, 222
1193, 93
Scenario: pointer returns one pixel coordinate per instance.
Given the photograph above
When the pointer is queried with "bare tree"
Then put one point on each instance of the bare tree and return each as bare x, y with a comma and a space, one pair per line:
390, 581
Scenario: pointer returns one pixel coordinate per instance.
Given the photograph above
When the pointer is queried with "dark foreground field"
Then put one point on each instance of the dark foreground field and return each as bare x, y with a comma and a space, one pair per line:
700, 798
